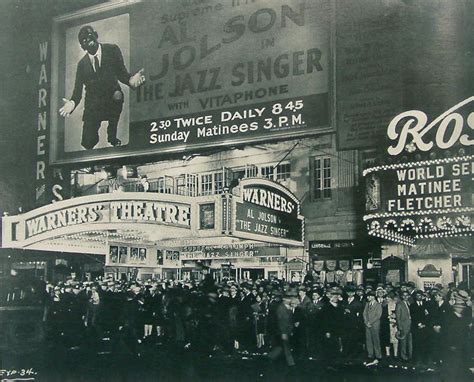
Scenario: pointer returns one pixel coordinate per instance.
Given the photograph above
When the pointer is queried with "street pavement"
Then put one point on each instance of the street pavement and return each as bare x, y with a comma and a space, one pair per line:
109, 361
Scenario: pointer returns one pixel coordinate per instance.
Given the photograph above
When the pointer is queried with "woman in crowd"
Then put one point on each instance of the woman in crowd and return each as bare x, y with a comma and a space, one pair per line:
392, 348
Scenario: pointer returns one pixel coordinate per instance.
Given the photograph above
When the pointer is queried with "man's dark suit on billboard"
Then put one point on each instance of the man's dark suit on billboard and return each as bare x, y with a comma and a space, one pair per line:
100, 71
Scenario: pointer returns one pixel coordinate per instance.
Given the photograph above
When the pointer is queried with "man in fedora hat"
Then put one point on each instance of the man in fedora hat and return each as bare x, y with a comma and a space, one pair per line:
245, 310
455, 344
353, 323
301, 322
403, 317
419, 327
281, 328
438, 309
332, 323
314, 322
372, 314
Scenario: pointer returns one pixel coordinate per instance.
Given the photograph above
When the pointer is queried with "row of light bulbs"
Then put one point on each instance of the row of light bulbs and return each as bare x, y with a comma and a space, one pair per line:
416, 164
421, 212
444, 223
393, 237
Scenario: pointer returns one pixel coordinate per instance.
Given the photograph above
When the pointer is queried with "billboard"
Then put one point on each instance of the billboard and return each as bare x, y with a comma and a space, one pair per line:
217, 74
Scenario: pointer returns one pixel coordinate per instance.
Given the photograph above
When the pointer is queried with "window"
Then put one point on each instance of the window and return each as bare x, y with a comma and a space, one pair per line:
212, 183
218, 182
267, 172
283, 172
206, 184
280, 173
191, 184
163, 185
251, 171
322, 178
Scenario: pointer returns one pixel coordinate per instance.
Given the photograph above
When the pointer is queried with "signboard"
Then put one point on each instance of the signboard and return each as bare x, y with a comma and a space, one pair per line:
172, 259
265, 211
330, 247
229, 251
113, 212
418, 187
420, 199
103, 212
217, 73
427, 192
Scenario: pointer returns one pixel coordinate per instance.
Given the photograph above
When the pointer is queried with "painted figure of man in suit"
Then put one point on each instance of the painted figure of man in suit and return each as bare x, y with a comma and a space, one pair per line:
99, 71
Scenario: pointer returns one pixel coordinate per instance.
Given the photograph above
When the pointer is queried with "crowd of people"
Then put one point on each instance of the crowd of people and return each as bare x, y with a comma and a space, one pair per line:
392, 324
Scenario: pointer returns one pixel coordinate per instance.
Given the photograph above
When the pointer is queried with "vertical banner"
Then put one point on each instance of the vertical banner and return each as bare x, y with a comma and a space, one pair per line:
42, 125
52, 184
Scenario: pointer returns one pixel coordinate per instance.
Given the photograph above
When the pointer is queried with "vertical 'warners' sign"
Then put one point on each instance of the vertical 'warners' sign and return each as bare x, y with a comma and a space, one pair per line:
217, 72
265, 210
41, 192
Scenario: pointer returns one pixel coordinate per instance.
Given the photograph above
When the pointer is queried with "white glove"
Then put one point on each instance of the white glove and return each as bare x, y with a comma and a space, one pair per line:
137, 79
67, 108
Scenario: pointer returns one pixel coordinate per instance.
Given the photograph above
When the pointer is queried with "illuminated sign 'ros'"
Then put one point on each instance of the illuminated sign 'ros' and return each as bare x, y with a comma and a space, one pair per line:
449, 125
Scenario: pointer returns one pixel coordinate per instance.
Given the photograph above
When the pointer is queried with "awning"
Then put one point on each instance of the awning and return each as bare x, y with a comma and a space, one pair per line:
443, 247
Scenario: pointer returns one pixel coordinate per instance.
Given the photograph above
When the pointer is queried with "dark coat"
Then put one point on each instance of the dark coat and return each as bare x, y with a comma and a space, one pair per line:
353, 314
284, 318
438, 313
302, 310
332, 319
245, 307
419, 314
101, 100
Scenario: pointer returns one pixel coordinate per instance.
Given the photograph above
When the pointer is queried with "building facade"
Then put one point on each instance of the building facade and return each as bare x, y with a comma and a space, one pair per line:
248, 105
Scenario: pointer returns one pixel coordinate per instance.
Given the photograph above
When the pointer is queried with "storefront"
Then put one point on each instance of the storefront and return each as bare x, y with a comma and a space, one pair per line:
345, 261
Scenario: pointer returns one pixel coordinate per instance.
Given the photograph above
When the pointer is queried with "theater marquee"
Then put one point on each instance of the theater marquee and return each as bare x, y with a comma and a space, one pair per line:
426, 190
267, 211
258, 210
104, 213
217, 73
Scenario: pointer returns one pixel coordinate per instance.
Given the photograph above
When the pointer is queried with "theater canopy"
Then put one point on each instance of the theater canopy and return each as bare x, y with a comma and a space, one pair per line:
259, 210
421, 185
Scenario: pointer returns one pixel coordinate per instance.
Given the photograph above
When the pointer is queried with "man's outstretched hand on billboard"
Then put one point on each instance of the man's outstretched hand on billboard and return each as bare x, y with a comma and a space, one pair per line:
67, 108
137, 79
